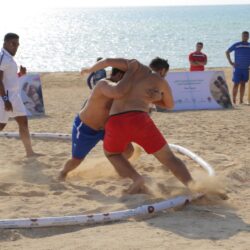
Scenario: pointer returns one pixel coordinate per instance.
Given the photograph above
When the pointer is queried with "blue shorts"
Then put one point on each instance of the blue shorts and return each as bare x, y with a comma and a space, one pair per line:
240, 75
84, 138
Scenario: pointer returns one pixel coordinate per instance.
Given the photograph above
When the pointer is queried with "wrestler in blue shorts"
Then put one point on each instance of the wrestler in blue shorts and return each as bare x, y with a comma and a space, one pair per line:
84, 138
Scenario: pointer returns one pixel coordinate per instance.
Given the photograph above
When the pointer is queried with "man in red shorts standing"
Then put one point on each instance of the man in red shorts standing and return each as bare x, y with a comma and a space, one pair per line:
129, 120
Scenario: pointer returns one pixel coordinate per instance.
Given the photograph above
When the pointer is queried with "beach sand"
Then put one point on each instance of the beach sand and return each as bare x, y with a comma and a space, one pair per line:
29, 188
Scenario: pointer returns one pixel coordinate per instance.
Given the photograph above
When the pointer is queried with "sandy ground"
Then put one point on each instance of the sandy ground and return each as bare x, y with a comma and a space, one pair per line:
28, 187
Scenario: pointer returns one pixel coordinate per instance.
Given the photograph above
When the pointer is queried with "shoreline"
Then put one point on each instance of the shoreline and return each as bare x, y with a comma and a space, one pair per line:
174, 69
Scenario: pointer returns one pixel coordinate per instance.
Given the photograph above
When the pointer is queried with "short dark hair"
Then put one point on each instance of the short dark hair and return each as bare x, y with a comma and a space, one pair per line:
99, 59
245, 33
159, 63
115, 71
199, 43
10, 36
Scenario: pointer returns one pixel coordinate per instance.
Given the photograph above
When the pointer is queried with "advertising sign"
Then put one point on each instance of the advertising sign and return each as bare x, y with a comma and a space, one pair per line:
199, 90
31, 93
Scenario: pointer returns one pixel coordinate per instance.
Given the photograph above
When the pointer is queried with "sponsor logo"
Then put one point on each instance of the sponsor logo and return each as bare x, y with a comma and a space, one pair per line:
151, 209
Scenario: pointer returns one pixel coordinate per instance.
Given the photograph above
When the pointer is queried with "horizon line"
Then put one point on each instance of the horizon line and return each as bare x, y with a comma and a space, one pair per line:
136, 6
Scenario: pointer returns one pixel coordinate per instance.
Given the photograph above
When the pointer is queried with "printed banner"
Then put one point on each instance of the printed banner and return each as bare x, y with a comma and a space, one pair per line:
31, 93
199, 90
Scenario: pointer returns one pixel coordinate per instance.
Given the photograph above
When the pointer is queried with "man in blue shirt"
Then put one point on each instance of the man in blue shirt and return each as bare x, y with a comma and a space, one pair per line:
241, 65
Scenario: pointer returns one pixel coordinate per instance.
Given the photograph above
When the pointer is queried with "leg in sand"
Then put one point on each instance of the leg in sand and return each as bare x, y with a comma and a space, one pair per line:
70, 165
22, 122
242, 91
132, 152
125, 169
128, 153
235, 91
174, 164
178, 168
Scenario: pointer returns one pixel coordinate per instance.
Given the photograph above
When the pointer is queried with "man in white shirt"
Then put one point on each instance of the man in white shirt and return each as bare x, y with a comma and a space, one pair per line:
11, 104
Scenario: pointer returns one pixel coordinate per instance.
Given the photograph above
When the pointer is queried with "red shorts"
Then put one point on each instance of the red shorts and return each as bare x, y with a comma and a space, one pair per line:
134, 126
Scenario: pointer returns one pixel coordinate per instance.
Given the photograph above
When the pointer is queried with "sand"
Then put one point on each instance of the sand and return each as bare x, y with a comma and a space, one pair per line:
28, 187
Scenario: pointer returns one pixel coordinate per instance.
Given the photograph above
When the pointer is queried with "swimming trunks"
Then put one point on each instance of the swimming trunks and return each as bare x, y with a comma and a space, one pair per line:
134, 126
240, 75
84, 138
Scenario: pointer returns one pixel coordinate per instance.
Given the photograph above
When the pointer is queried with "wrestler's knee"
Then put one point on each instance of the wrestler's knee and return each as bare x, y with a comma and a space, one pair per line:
110, 154
129, 151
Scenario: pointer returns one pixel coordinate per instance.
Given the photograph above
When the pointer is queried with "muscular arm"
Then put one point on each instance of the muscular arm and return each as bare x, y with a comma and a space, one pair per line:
167, 100
123, 86
7, 104
2, 90
202, 63
205, 62
229, 58
89, 79
195, 63
191, 61
119, 63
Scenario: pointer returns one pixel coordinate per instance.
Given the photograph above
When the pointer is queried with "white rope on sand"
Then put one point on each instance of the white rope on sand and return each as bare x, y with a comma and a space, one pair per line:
206, 166
103, 217
62, 136
38, 135
97, 218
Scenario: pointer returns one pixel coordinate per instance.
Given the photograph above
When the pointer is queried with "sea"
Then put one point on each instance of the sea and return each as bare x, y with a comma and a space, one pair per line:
67, 39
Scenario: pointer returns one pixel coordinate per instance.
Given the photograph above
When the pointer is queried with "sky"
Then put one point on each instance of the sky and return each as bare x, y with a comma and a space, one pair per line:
116, 3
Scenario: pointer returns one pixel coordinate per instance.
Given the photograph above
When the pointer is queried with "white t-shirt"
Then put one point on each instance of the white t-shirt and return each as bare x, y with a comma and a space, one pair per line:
9, 68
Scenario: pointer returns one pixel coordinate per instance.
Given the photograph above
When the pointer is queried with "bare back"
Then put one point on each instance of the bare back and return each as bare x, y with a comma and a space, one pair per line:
138, 99
96, 111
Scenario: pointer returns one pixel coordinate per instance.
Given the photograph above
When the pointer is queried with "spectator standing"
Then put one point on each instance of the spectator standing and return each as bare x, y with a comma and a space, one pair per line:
197, 59
11, 104
240, 65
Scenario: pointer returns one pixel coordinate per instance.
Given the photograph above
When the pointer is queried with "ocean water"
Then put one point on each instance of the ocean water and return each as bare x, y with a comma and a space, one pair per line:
68, 39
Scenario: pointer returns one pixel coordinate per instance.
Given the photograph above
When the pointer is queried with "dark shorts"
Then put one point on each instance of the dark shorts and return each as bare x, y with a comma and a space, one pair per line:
84, 138
240, 75
134, 126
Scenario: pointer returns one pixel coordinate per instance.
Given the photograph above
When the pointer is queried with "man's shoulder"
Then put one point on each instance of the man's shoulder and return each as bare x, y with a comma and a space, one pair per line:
241, 45
157, 78
104, 82
1, 57
138, 66
5, 61
236, 44
101, 82
4, 58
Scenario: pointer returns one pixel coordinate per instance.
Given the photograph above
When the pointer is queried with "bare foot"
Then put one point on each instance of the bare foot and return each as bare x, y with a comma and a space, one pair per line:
33, 154
136, 187
223, 196
62, 176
